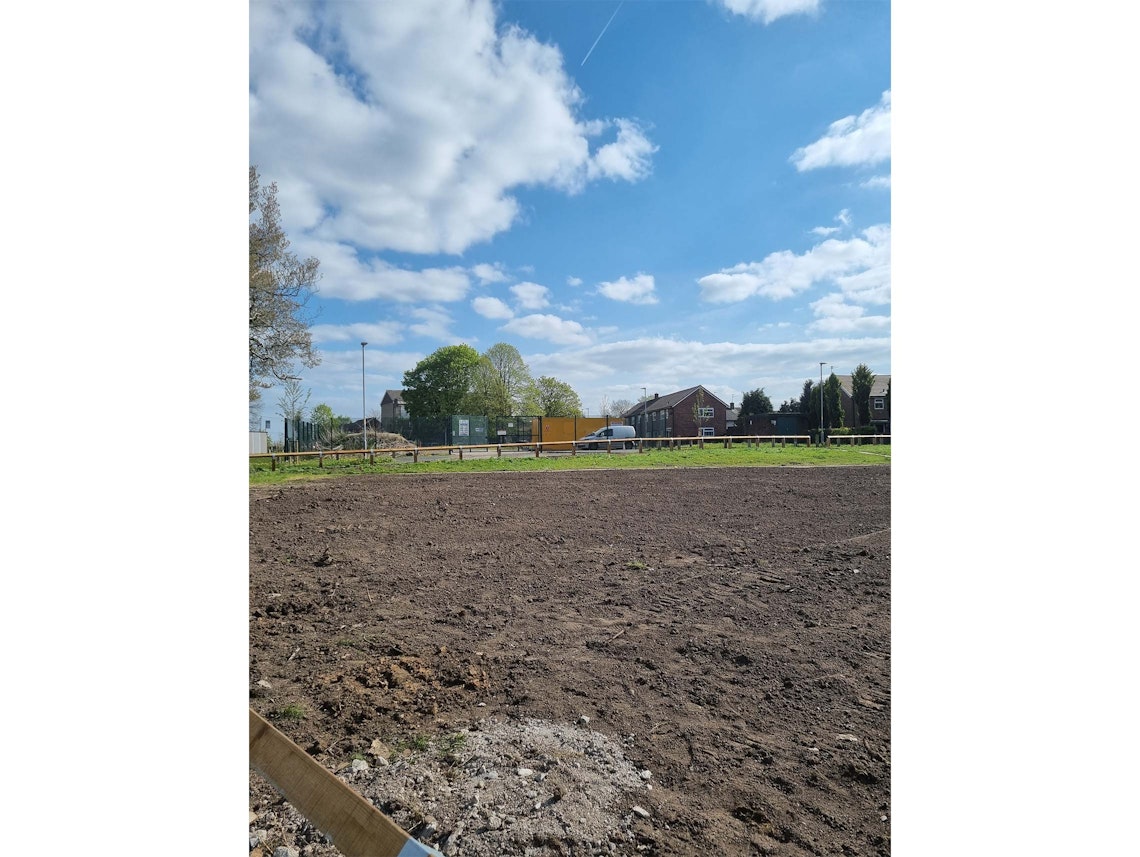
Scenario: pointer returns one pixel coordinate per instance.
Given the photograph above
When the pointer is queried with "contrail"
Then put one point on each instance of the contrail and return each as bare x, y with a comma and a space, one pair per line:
602, 33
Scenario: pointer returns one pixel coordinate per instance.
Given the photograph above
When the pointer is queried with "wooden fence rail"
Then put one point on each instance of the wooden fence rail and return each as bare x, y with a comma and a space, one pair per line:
874, 439
571, 446
355, 826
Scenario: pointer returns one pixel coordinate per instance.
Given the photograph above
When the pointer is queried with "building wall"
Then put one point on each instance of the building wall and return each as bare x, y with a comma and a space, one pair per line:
685, 424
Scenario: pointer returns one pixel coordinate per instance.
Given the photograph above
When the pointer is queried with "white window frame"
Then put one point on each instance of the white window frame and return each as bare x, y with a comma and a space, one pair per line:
708, 431
878, 404
704, 413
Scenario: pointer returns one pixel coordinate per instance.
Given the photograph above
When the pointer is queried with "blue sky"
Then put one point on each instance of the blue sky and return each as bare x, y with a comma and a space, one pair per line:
637, 194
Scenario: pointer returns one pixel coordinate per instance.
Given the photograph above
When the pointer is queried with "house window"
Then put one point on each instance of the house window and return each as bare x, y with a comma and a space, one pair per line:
877, 404
708, 431
704, 413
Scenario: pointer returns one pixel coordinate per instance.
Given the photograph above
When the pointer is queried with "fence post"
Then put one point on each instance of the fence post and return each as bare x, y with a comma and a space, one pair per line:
537, 449
499, 451
320, 459
460, 453
416, 455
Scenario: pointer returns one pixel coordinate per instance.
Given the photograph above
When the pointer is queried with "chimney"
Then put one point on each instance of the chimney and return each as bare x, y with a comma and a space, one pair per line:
732, 406
655, 397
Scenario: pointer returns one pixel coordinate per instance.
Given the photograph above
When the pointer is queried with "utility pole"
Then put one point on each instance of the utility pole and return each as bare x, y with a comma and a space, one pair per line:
364, 397
821, 401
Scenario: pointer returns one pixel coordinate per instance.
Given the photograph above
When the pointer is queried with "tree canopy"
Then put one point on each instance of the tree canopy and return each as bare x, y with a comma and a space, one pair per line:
549, 397
832, 402
862, 380
500, 382
280, 286
441, 383
755, 402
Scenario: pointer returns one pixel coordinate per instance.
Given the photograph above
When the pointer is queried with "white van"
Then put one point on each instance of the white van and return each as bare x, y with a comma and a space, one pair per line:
597, 439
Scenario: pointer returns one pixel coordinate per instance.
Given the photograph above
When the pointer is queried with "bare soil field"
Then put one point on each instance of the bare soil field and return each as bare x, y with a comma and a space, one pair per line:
664, 662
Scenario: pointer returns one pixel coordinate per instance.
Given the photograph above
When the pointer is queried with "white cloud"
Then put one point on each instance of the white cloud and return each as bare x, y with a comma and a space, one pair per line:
378, 333
491, 308
767, 11
639, 290
406, 126
835, 315
877, 182
434, 322
490, 273
628, 157
574, 281
844, 217
345, 276
783, 274
531, 295
681, 363
851, 141
549, 327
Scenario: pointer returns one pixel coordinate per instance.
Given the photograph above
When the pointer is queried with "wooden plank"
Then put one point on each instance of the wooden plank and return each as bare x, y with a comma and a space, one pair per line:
357, 828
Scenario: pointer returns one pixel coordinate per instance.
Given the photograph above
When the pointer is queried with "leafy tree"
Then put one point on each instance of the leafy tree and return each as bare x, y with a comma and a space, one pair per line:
789, 406
280, 286
441, 382
549, 397
832, 402
809, 404
499, 383
755, 402
861, 383
323, 418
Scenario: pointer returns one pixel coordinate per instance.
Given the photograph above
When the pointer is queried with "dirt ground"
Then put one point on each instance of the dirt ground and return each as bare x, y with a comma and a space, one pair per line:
666, 662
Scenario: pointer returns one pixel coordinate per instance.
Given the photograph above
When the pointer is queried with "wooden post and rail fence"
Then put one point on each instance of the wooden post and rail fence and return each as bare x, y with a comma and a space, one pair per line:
563, 446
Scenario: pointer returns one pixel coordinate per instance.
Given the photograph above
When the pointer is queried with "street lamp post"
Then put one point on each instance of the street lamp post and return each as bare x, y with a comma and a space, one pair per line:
644, 413
821, 401
364, 397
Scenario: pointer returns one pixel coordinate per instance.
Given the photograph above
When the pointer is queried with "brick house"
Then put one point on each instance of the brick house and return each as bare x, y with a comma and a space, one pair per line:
879, 404
392, 406
672, 415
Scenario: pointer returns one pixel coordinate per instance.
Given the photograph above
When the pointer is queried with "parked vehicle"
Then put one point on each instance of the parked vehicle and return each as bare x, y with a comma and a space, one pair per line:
597, 439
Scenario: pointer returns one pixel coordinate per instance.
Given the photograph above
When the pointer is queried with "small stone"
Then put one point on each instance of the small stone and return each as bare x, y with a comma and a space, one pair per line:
645, 775
494, 822
265, 684
524, 772
882, 818
481, 705
640, 811
847, 736
359, 765
286, 851
584, 720
252, 816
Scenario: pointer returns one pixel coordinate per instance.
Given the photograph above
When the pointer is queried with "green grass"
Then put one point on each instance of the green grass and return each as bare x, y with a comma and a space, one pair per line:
288, 712
711, 456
